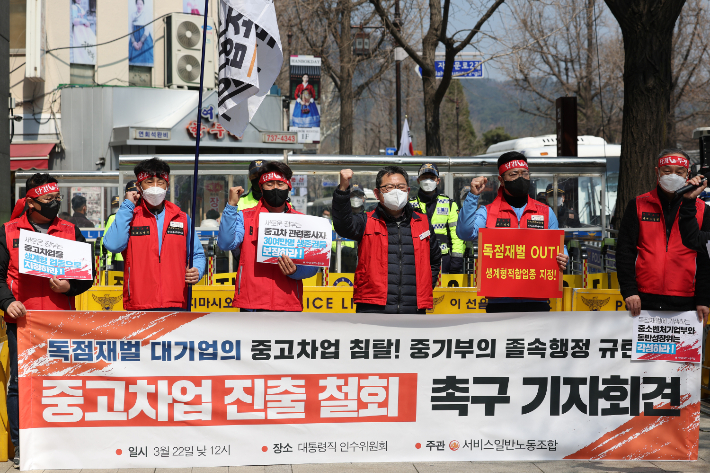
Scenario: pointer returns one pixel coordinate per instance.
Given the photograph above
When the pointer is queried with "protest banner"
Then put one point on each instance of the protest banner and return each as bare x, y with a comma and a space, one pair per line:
148, 389
48, 256
303, 238
667, 336
519, 263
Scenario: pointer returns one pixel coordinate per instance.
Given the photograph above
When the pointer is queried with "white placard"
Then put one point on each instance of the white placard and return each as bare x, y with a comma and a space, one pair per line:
667, 336
48, 256
303, 238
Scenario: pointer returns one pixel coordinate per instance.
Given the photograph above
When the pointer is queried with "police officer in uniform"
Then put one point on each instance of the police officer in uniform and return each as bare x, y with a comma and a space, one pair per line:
251, 198
443, 214
566, 216
116, 259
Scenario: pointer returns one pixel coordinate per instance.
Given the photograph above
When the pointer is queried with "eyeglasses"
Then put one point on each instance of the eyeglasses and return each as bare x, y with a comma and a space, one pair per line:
516, 174
391, 187
58, 198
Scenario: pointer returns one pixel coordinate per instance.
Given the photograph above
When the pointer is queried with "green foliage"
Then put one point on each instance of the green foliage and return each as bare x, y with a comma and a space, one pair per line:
496, 135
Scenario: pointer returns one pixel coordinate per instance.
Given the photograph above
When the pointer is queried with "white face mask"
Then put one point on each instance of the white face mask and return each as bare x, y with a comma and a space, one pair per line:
427, 185
356, 202
395, 199
154, 195
550, 200
671, 182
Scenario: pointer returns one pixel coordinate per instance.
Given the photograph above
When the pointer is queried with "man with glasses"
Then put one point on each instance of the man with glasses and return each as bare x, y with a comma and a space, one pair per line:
22, 292
152, 234
398, 254
656, 270
263, 287
512, 208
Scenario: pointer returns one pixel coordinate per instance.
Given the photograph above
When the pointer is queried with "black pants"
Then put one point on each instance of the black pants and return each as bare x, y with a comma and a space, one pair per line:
13, 402
536, 306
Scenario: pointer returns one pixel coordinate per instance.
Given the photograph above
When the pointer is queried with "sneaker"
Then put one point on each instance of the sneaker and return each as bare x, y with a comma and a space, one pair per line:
16, 460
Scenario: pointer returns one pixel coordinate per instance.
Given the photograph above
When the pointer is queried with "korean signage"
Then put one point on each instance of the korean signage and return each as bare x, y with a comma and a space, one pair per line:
49, 256
209, 126
464, 68
214, 196
149, 134
211, 389
519, 263
303, 238
668, 336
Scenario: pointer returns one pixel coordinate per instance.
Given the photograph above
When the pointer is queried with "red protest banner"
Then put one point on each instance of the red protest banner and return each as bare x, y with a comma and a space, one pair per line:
519, 263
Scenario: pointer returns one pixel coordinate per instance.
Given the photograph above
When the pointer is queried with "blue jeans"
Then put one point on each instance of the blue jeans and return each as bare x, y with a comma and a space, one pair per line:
13, 403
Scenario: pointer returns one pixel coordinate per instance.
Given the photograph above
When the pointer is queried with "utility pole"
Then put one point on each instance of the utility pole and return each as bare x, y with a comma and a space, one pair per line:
399, 55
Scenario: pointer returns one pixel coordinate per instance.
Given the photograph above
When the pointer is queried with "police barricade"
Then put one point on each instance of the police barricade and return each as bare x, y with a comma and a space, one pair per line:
211, 389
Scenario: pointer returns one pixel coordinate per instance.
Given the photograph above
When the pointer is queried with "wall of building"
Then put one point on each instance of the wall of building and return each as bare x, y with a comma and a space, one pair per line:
39, 99
5, 187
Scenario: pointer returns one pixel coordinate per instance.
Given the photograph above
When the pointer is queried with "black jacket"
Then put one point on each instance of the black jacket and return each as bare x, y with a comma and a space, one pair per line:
76, 286
401, 275
627, 251
692, 236
80, 220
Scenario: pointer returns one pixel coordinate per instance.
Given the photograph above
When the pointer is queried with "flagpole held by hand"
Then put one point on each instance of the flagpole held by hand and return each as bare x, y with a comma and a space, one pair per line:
197, 156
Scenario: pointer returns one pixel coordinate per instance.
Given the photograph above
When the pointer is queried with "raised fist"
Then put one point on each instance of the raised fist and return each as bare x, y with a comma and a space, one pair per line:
478, 184
346, 176
234, 194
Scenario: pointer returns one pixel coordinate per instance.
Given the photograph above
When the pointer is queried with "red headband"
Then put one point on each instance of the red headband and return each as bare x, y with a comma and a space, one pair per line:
273, 176
673, 160
142, 176
42, 190
516, 163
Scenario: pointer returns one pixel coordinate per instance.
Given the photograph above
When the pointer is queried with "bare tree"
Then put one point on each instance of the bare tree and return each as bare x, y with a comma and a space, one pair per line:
326, 26
436, 33
690, 98
556, 48
647, 26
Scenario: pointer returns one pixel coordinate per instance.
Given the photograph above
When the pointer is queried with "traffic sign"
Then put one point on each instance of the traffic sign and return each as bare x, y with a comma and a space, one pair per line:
463, 69
390, 151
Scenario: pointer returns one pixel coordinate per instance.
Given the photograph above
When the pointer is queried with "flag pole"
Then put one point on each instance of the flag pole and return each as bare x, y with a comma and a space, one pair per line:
197, 155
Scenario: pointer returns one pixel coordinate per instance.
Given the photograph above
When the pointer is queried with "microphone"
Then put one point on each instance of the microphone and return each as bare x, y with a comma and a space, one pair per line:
689, 187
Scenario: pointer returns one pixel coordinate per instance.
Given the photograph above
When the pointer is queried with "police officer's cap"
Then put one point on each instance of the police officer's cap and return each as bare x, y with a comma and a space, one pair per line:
131, 186
549, 190
429, 168
254, 167
356, 189
115, 201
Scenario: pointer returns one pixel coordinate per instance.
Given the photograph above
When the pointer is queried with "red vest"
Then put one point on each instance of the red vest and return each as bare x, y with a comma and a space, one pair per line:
263, 285
34, 291
154, 279
502, 215
663, 267
371, 272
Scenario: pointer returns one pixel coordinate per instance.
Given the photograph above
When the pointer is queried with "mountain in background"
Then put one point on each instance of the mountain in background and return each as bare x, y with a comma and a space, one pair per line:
493, 103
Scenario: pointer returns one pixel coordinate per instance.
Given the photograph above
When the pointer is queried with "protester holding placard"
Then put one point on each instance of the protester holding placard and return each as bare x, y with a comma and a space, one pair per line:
656, 270
152, 235
22, 292
398, 253
263, 287
512, 208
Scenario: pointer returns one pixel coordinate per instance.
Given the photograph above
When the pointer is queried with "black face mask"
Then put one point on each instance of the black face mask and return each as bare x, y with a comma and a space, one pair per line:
255, 189
48, 210
276, 197
518, 187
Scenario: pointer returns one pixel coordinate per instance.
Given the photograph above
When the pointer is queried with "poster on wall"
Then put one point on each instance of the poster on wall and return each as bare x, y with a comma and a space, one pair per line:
93, 201
83, 32
193, 7
140, 42
305, 94
214, 197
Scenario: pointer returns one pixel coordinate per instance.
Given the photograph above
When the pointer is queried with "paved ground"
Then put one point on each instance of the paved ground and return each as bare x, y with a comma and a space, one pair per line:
702, 465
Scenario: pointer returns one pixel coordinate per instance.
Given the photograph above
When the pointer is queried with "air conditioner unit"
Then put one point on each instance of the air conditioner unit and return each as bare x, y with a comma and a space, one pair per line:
183, 51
